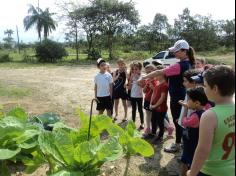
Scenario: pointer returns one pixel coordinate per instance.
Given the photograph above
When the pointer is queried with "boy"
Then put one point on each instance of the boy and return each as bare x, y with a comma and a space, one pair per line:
103, 88
196, 100
215, 153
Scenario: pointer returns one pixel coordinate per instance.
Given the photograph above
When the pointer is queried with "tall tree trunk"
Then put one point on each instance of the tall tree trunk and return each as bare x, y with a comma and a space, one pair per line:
18, 39
110, 46
76, 43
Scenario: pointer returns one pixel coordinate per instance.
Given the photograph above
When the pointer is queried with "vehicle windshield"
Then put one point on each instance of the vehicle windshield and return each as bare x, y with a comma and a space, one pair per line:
159, 55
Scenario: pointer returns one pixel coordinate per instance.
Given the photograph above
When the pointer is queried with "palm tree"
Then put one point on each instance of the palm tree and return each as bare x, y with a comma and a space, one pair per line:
8, 32
41, 19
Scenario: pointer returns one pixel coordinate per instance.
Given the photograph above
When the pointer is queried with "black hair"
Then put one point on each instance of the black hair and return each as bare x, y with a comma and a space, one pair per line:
100, 62
191, 55
190, 73
223, 77
198, 94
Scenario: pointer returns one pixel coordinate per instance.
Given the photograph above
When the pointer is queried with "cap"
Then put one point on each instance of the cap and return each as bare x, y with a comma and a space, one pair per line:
198, 78
99, 61
180, 44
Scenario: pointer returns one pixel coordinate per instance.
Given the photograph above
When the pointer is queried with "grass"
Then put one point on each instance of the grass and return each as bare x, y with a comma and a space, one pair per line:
221, 55
14, 92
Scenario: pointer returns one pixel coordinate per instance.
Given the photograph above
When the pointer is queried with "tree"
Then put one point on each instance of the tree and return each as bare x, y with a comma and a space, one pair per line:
8, 39
41, 19
160, 25
114, 17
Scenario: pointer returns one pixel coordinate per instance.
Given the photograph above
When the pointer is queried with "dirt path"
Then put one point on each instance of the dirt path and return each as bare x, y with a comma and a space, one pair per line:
62, 90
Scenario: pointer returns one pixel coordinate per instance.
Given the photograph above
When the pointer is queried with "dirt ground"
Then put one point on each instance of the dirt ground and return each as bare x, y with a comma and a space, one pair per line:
63, 89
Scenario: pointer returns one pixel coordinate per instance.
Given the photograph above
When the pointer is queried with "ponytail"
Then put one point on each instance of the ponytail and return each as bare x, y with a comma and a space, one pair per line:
191, 56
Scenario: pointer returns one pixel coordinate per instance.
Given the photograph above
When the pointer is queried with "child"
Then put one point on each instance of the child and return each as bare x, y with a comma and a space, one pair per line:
148, 90
137, 94
103, 88
215, 152
119, 89
200, 64
129, 86
188, 84
159, 107
196, 101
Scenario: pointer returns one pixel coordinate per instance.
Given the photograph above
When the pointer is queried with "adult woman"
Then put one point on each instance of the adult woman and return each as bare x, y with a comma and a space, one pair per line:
177, 92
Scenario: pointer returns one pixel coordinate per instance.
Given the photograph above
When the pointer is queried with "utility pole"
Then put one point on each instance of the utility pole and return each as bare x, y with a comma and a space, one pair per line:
18, 39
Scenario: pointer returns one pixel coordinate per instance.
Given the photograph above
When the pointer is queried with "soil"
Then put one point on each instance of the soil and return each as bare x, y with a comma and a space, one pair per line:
62, 90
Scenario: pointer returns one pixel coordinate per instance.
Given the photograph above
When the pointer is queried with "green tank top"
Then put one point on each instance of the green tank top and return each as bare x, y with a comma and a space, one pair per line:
221, 161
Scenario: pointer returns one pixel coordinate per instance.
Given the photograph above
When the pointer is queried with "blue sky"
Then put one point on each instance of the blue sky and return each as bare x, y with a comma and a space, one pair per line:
12, 13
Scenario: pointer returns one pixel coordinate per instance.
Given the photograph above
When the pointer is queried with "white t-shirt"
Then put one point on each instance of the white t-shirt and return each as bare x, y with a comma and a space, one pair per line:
103, 81
136, 90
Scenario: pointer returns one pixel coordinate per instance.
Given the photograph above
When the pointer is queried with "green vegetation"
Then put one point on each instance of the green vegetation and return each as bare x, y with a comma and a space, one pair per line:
14, 92
66, 150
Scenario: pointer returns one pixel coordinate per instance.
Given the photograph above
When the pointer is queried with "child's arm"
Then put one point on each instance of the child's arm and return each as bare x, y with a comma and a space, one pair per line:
111, 89
208, 124
192, 121
160, 101
95, 90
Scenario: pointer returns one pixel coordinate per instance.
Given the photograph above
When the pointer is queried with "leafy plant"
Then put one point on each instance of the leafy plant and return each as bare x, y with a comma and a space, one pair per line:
66, 150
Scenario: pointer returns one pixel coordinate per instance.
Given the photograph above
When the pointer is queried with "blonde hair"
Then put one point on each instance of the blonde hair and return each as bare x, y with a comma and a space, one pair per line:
120, 61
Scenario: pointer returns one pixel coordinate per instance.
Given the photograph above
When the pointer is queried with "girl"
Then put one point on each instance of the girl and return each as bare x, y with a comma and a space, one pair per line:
119, 90
148, 90
200, 64
137, 94
159, 107
185, 53
129, 86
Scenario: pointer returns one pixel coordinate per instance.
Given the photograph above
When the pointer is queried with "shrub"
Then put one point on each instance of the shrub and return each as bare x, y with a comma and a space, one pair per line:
4, 57
94, 54
50, 51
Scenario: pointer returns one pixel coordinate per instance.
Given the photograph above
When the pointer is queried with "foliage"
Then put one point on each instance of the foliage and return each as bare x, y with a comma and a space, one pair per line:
50, 51
94, 54
4, 57
66, 150
41, 19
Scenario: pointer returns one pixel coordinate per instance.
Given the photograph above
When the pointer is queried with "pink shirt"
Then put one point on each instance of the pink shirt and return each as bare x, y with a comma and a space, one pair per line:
172, 70
193, 121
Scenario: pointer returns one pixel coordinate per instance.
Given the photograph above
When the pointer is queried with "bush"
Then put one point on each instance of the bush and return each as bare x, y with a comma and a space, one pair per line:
94, 54
4, 57
50, 51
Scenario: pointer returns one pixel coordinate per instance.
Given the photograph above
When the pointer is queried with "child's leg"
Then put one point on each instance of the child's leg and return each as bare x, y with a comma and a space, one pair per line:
184, 169
133, 104
100, 112
160, 120
148, 119
140, 110
116, 107
124, 102
154, 122
109, 112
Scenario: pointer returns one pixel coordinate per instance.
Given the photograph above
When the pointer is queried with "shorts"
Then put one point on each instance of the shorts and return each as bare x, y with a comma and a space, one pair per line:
120, 94
104, 103
146, 106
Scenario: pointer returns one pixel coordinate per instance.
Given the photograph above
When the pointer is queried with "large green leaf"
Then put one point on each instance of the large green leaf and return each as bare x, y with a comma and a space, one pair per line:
8, 154
18, 113
109, 151
141, 147
46, 143
33, 164
86, 151
67, 173
64, 144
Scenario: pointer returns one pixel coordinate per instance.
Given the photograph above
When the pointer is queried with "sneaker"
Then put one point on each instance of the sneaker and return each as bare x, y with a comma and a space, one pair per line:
147, 131
148, 136
170, 130
157, 140
172, 149
141, 128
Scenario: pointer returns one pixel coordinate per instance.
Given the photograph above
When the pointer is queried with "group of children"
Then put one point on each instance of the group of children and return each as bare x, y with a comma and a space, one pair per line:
206, 120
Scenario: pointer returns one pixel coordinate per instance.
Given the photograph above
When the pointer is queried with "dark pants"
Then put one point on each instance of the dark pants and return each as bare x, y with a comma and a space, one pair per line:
158, 120
202, 174
175, 108
134, 103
